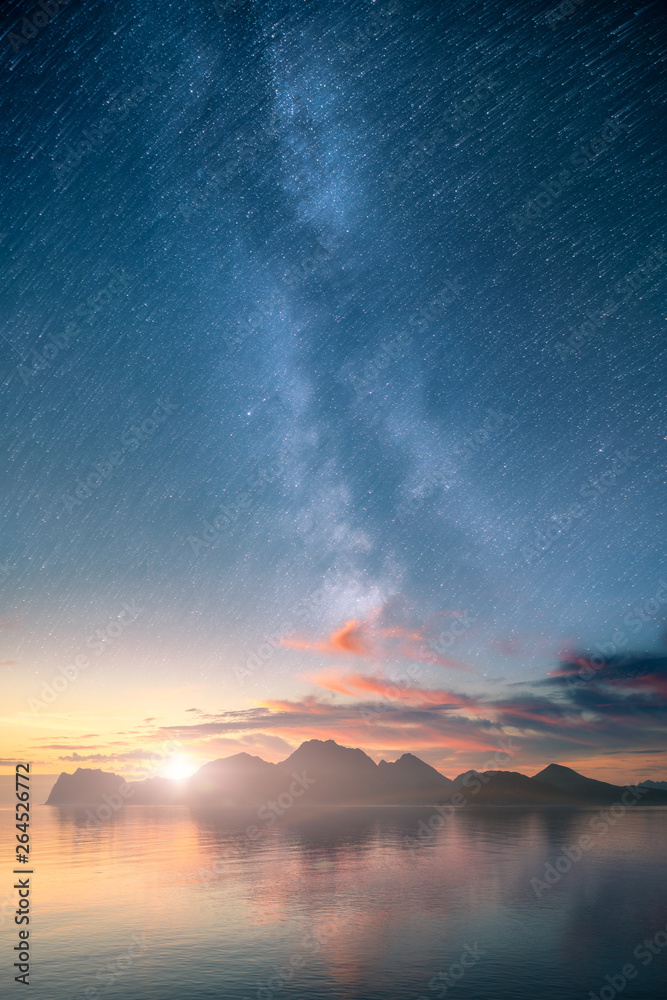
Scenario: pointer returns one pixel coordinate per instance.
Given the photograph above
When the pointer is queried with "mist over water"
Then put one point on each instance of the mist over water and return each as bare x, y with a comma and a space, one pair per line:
160, 903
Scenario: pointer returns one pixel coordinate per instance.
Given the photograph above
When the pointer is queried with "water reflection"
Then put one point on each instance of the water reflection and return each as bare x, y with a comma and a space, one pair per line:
346, 895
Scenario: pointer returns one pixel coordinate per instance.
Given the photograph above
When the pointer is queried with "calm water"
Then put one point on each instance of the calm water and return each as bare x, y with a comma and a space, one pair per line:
220, 921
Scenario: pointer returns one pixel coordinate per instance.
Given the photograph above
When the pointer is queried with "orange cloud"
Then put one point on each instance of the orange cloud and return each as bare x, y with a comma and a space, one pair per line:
355, 684
372, 642
348, 639
308, 703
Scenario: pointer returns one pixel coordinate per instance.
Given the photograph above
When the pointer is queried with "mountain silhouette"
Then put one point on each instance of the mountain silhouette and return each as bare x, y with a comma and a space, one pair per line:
509, 788
324, 773
341, 775
86, 785
654, 784
591, 790
410, 780
240, 780
573, 783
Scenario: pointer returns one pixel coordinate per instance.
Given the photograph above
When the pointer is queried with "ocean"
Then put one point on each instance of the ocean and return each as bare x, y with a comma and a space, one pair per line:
504, 904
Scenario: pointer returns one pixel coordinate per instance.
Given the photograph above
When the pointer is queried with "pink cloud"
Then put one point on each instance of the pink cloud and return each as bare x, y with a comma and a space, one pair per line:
370, 641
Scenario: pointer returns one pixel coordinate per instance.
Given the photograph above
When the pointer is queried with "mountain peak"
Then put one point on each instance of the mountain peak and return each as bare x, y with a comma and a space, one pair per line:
242, 759
566, 779
328, 750
85, 785
329, 744
558, 769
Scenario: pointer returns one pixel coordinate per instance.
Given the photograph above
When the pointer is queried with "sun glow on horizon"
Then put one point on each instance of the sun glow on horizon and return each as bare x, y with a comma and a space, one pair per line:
179, 767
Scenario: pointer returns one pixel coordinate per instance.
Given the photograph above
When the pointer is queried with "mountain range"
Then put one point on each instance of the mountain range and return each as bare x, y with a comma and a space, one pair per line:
325, 773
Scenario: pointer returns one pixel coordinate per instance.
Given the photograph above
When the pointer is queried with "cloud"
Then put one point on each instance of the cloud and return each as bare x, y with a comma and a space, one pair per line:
87, 757
621, 706
393, 726
66, 746
614, 684
348, 639
369, 640
84, 736
127, 756
257, 744
355, 684
308, 703
610, 703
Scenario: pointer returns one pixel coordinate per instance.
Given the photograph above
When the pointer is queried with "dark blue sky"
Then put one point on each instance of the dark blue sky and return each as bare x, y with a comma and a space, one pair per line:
360, 300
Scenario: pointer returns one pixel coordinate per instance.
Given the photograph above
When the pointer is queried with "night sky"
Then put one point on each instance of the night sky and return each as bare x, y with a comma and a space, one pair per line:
333, 364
